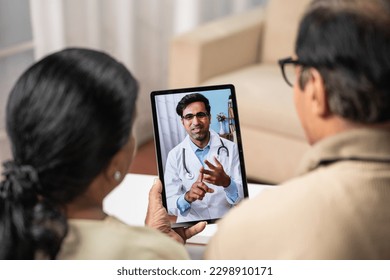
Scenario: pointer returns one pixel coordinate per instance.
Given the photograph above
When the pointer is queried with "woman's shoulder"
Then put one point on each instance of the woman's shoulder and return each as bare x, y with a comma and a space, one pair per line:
112, 239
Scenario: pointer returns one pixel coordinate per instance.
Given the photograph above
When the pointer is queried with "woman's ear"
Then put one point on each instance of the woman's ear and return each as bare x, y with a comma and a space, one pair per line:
120, 163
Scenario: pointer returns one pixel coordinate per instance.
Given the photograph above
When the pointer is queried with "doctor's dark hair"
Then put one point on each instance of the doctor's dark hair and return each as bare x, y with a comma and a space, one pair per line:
191, 98
348, 42
67, 116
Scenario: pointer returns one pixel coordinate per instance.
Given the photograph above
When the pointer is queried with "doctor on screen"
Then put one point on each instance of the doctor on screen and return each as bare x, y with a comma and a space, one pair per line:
202, 175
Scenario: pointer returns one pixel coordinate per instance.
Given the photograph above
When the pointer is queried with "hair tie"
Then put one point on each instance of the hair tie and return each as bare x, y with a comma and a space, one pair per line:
18, 173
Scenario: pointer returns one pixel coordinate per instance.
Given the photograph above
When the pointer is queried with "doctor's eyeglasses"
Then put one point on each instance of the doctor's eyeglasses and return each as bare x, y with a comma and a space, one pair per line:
200, 115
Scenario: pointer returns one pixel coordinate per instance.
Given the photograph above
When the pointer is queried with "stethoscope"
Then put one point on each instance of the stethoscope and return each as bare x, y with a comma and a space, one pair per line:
189, 175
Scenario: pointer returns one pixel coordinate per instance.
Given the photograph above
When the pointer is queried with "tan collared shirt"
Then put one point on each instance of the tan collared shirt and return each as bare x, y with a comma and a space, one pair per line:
111, 239
338, 208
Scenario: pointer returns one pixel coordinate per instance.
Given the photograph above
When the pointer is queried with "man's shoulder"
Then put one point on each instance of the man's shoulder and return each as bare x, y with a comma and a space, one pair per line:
299, 212
261, 221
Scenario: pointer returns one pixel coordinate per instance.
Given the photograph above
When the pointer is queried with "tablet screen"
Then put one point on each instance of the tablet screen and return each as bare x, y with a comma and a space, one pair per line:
199, 152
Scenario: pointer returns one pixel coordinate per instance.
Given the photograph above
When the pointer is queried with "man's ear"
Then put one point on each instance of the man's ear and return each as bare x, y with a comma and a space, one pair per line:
318, 96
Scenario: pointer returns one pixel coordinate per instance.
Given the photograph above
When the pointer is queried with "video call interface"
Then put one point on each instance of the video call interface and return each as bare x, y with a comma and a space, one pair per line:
199, 152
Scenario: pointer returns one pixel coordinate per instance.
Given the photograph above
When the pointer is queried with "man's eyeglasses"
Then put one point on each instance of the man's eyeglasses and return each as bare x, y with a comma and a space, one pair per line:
287, 65
200, 115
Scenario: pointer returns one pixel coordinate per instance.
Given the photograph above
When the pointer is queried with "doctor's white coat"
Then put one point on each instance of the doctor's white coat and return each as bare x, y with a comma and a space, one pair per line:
214, 205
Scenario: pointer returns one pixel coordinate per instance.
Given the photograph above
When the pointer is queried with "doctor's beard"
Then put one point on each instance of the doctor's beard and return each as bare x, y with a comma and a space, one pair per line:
199, 133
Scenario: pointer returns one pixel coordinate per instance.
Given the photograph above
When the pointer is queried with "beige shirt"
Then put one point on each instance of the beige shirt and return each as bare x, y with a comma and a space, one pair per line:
338, 208
111, 239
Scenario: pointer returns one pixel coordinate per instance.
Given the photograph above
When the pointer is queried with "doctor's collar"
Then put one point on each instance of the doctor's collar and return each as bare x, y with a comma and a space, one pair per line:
195, 147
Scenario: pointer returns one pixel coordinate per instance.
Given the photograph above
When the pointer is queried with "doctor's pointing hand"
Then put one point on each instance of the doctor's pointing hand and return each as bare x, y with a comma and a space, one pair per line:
215, 175
198, 190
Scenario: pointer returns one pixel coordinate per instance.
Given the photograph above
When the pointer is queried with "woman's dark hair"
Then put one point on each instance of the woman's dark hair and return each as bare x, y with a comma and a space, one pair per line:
348, 42
191, 98
67, 116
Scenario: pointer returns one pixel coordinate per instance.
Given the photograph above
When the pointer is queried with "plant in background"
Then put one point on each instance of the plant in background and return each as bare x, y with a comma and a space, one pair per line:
221, 117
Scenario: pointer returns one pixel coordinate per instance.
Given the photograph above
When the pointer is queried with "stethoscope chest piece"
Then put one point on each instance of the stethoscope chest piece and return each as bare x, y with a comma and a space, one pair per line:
189, 176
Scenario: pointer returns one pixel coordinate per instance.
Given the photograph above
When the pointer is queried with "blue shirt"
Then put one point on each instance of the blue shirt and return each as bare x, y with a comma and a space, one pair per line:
231, 190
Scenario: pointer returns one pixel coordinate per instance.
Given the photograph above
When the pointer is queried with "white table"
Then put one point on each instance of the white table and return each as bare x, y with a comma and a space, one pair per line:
129, 201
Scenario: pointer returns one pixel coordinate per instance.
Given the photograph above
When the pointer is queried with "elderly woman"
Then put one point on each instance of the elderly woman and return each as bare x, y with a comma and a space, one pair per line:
69, 120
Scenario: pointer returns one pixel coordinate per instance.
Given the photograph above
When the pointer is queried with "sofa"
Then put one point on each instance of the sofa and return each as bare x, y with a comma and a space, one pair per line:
243, 50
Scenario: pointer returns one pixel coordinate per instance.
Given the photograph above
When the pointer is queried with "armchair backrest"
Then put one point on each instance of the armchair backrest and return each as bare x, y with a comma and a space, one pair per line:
280, 28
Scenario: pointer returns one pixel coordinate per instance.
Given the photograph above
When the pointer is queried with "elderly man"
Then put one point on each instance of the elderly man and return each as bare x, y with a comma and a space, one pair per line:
338, 206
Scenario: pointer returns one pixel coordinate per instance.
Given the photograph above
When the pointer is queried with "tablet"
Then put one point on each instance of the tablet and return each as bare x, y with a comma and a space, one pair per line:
199, 152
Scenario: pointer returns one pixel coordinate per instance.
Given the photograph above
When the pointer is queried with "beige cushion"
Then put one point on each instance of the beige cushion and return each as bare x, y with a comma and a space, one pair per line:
265, 101
280, 28
271, 157
215, 48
